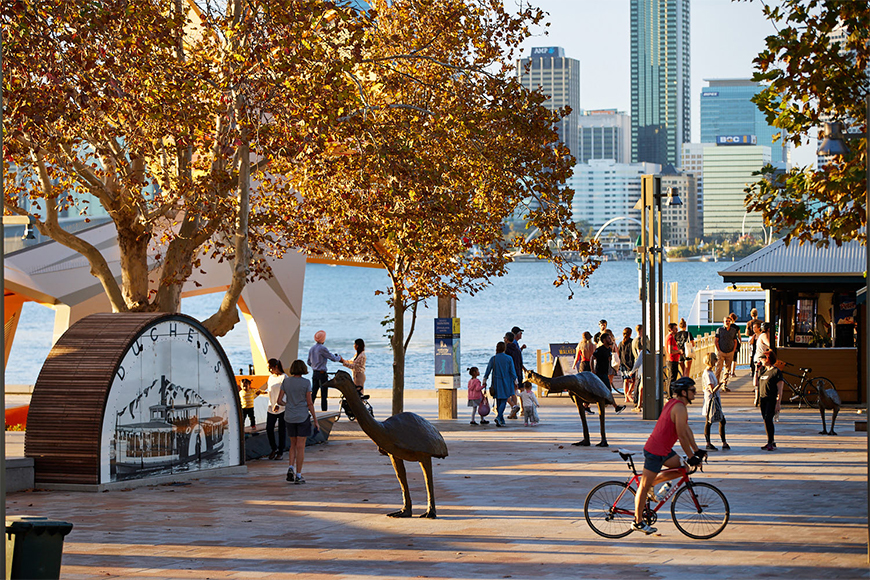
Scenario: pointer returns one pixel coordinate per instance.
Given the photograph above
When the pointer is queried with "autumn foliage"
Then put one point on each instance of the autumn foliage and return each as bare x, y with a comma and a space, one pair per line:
812, 78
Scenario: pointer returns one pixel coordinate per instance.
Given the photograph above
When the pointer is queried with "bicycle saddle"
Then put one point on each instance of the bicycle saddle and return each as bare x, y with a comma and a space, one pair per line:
624, 453
808, 371
365, 397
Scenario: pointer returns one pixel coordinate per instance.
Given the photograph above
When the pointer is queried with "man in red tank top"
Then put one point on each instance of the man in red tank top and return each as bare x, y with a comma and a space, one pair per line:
673, 424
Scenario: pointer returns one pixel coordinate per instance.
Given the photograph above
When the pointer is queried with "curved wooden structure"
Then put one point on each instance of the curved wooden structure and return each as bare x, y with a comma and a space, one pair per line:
66, 418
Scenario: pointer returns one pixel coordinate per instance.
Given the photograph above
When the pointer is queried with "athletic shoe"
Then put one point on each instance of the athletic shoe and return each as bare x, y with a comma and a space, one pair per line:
291, 474
299, 479
770, 447
643, 527
726, 447
651, 495
272, 455
619, 409
711, 447
279, 456
473, 423
484, 422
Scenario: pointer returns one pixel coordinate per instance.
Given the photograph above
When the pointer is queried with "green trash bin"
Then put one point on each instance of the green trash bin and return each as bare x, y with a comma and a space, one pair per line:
34, 546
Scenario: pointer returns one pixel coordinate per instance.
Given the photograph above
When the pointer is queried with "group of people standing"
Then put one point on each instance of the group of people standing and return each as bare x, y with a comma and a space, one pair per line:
507, 387
291, 400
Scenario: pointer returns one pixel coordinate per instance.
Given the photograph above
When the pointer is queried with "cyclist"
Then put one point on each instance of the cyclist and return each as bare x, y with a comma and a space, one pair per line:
658, 452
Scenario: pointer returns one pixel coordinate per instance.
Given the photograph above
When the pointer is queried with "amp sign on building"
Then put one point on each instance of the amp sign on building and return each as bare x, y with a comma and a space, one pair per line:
736, 140
556, 51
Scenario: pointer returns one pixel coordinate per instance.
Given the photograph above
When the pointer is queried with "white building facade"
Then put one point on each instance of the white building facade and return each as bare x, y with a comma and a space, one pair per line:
728, 170
605, 190
604, 134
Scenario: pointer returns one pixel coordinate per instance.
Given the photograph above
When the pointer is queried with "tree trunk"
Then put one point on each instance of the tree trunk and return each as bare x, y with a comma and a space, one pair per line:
222, 321
398, 344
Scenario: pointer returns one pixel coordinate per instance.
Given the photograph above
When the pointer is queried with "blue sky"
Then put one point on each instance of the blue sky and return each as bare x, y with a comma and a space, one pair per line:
725, 37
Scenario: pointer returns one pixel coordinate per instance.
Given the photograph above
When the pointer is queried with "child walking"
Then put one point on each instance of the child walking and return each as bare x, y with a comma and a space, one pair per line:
530, 405
475, 394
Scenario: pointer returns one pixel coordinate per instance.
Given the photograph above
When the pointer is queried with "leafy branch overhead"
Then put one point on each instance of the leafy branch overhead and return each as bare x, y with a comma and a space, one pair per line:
442, 147
815, 68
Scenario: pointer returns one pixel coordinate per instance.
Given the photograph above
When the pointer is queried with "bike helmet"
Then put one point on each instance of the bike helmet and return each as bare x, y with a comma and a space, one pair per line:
680, 385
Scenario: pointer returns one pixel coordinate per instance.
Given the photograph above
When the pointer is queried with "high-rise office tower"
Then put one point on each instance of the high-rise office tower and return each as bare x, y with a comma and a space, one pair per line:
604, 134
559, 77
660, 81
727, 109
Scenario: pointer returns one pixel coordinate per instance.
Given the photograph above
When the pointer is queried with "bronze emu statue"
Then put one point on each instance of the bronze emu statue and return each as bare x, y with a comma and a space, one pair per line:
585, 387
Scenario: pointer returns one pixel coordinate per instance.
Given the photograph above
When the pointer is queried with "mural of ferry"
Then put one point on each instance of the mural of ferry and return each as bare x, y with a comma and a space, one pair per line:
176, 434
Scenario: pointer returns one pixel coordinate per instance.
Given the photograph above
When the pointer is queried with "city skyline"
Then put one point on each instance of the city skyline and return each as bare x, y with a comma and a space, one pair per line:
725, 37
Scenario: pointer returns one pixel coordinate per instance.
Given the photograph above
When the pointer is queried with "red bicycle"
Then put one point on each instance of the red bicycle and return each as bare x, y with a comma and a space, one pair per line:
699, 510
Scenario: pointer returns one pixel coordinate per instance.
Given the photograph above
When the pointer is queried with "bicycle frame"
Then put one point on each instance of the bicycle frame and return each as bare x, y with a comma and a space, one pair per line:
635, 480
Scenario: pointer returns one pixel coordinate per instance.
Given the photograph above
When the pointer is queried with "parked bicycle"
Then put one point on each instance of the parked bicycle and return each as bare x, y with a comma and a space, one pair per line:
807, 390
699, 510
349, 412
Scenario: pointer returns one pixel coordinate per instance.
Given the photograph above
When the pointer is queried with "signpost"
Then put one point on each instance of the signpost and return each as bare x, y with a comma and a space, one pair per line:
447, 374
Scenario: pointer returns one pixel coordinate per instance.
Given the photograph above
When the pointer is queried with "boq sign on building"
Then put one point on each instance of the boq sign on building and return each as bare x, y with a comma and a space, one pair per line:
133, 396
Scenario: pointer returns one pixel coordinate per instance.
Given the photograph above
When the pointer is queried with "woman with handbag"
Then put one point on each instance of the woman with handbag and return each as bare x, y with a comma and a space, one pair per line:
686, 342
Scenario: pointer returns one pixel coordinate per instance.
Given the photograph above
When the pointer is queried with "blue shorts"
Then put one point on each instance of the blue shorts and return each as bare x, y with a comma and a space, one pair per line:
299, 429
654, 462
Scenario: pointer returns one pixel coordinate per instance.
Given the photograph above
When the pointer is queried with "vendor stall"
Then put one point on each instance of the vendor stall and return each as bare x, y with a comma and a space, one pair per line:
812, 306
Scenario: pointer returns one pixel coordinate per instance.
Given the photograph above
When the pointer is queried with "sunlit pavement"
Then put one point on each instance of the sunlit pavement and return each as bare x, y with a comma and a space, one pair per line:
510, 505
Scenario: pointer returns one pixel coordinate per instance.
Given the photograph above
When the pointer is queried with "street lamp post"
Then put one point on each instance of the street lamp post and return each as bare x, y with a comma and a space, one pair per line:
834, 143
651, 250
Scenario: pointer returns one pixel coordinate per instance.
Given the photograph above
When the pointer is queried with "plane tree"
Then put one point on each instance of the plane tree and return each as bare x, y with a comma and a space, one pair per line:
815, 70
443, 147
166, 114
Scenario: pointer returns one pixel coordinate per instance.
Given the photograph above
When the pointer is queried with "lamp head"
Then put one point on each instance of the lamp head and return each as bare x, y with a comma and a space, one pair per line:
834, 142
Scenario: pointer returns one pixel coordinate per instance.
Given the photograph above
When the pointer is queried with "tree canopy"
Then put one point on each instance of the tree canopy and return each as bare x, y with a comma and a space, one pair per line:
164, 113
444, 147
815, 68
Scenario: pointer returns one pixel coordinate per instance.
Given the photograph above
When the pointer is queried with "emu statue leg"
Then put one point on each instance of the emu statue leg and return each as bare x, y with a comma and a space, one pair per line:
399, 467
601, 420
582, 411
834, 419
824, 430
426, 464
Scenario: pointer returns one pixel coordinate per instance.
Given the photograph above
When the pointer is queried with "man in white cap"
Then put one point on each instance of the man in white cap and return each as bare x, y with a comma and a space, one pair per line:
318, 356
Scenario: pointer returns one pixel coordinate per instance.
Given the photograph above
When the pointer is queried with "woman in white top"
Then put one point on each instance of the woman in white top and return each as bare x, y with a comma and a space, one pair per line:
276, 411
761, 343
712, 403
358, 364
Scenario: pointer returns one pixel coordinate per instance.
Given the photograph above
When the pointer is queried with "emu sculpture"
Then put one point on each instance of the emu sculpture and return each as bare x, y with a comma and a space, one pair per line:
585, 387
829, 399
403, 437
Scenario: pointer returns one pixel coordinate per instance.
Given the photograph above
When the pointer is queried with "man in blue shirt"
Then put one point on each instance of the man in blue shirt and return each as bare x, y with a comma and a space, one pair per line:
318, 356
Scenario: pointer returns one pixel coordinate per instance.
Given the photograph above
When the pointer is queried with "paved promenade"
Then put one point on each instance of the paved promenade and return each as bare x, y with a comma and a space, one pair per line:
510, 505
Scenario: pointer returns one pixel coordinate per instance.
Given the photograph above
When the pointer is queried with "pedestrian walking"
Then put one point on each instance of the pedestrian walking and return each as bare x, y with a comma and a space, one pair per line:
275, 416
475, 394
726, 340
513, 350
504, 380
712, 410
686, 342
626, 364
530, 405
770, 385
672, 351
299, 416
583, 358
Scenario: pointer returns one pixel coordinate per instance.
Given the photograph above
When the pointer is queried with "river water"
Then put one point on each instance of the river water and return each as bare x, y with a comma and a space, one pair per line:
341, 300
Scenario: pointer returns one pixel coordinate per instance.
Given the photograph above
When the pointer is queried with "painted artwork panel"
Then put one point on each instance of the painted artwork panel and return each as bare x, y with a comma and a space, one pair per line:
171, 407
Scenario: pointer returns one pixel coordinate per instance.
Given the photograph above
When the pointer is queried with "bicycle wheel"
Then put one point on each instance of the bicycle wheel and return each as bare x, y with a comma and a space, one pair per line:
816, 386
609, 509
704, 519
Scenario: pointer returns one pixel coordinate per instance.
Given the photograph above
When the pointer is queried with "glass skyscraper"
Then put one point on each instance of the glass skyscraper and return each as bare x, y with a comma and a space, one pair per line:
660, 80
559, 77
727, 109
